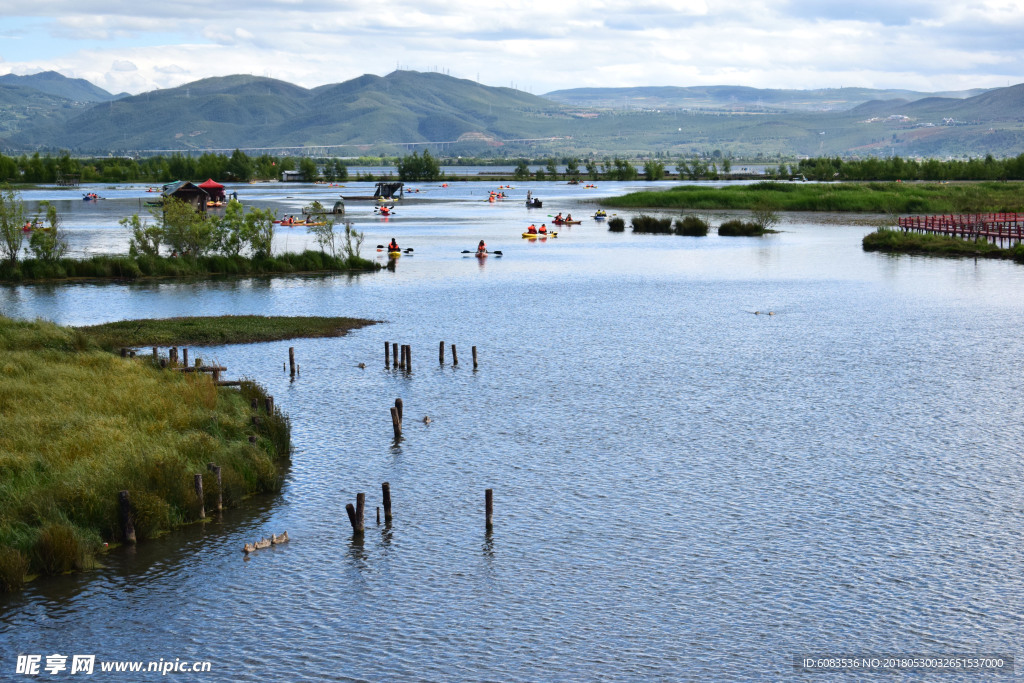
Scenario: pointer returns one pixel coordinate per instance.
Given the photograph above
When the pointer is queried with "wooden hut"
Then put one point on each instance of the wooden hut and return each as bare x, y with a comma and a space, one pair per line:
187, 192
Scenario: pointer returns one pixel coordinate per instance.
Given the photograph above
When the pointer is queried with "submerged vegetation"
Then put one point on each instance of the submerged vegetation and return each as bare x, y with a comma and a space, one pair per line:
874, 197
78, 425
225, 329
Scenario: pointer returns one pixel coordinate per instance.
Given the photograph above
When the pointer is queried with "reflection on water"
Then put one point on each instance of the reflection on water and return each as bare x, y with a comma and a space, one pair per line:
682, 489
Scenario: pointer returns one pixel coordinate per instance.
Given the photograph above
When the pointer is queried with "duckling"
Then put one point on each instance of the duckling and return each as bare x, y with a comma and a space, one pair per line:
248, 548
361, 366
262, 543
279, 539
427, 420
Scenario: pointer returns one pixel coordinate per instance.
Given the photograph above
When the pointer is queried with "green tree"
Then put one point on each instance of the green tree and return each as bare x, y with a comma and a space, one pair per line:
340, 171
416, 167
12, 220
552, 169
572, 169
240, 166
654, 170
49, 242
230, 230
522, 171
322, 228
726, 165
308, 169
143, 238
353, 241
592, 169
184, 229
259, 232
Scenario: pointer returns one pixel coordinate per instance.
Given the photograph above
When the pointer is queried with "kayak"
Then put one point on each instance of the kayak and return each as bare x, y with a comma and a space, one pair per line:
566, 222
394, 254
535, 235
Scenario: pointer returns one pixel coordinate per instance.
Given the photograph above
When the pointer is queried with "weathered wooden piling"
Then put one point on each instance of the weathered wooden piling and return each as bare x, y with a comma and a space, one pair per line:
199, 495
387, 356
455, 356
401, 362
360, 511
394, 352
184, 357
351, 510
291, 360
396, 422
269, 405
440, 353
131, 353
156, 353
474, 358
124, 352
408, 357
220, 489
386, 491
163, 362
127, 521
489, 508
398, 404
378, 515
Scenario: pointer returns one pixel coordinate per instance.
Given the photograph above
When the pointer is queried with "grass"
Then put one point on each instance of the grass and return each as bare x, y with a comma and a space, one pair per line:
738, 228
125, 267
225, 329
78, 424
875, 197
897, 241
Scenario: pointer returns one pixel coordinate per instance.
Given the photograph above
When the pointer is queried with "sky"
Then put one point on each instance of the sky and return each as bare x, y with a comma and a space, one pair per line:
533, 45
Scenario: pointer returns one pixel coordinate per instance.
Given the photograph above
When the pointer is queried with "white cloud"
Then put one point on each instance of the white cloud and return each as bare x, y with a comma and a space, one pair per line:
123, 65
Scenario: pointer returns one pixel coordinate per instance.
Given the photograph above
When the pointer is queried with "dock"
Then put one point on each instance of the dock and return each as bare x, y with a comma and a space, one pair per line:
1002, 229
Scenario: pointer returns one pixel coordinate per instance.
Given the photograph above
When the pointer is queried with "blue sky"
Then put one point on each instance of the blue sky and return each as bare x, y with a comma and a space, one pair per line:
534, 45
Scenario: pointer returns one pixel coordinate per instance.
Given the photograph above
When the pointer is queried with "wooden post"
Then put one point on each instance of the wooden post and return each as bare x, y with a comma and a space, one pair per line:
401, 363
291, 360
398, 404
440, 353
156, 353
199, 495
220, 490
184, 357
360, 511
254, 404
394, 352
386, 490
269, 405
131, 353
378, 515
408, 357
216, 376
474, 358
351, 510
124, 352
127, 522
396, 422
489, 508
455, 356
387, 356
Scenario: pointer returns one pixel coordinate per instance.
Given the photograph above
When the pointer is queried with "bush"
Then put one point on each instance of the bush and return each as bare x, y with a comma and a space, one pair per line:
692, 226
13, 568
616, 224
738, 228
57, 550
650, 225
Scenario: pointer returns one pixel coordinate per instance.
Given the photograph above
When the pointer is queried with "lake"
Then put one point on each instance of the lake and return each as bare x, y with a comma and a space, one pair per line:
685, 487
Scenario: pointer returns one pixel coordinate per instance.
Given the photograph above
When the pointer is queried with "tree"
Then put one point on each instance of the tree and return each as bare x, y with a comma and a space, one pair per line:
48, 243
229, 231
522, 171
552, 169
12, 220
726, 165
184, 229
259, 232
308, 169
416, 167
765, 216
322, 228
353, 240
654, 170
240, 166
572, 169
144, 238
592, 169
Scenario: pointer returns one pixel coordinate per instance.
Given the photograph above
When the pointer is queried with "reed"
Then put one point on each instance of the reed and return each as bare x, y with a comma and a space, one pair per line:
738, 228
78, 424
691, 226
651, 225
616, 224
897, 241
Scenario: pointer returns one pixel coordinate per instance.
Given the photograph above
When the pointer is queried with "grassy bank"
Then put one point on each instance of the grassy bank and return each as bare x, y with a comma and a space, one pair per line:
895, 198
78, 424
899, 242
131, 268
225, 329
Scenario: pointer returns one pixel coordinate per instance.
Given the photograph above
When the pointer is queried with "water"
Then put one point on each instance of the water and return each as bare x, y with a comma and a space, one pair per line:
684, 489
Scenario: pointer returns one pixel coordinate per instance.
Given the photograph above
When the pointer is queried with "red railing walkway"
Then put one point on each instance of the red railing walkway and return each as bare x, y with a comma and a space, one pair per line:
1002, 229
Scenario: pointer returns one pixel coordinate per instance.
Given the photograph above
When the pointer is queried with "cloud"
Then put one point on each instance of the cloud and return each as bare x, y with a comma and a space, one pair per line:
123, 65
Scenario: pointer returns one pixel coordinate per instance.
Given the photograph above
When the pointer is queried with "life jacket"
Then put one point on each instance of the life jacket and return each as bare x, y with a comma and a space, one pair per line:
543, 229
532, 230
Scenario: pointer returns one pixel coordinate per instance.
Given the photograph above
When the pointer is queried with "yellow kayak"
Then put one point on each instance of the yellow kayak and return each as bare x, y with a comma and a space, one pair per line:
394, 254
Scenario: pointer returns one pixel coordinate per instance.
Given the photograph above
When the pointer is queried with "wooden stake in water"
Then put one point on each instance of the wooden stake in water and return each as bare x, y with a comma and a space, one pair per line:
155, 353
199, 495
401, 363
489, 508
351, 510
269, 404
455, 356
387, 356
386, 490
408, 357
398, 404
360, 511
127, 521
184, 357
396, 422
474, 358
440, 353
291, 360
394, 352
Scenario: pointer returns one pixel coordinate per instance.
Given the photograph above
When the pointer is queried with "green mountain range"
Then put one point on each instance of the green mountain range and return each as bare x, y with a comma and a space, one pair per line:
407, 111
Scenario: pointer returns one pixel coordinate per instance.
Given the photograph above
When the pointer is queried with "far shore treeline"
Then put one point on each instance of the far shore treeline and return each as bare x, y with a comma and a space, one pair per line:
241, 167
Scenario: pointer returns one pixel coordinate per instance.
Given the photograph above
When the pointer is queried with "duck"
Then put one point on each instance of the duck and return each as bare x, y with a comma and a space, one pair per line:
248, 548
262, 543
427, 420
279, 539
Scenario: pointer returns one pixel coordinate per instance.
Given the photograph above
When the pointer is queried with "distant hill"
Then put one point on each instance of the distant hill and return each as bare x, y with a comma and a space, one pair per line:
407, 111
53, 83
728, 97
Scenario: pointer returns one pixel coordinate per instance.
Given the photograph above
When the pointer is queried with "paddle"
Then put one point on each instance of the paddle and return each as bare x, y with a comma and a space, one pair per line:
496, 253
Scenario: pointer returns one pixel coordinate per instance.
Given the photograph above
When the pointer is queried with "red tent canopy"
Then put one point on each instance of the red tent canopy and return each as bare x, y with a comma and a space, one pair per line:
211, 184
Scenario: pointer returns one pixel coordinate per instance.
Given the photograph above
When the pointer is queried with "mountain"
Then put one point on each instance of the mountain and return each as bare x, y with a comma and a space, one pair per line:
406, 110
735, 98
53, 83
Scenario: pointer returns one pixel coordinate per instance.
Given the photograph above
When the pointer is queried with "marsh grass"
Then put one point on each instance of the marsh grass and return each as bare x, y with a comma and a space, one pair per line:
78, 424
875, 197
691, 226
651, 225
135, 267
215, 330
738, 228
897, 241
616, 224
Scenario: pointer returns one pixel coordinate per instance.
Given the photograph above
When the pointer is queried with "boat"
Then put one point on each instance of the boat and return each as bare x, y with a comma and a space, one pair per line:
535, 235
394, 254
600, 215
566, 222
531, 201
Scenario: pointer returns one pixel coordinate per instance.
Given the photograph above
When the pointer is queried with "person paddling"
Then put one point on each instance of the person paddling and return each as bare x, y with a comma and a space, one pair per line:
393, 245
543, 228
532, 230
481, 248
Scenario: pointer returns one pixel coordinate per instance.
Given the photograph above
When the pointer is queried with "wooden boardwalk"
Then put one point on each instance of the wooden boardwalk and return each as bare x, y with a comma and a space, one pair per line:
1002, 229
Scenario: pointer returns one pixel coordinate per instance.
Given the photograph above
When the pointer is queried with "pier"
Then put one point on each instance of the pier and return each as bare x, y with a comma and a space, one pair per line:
1002, 229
